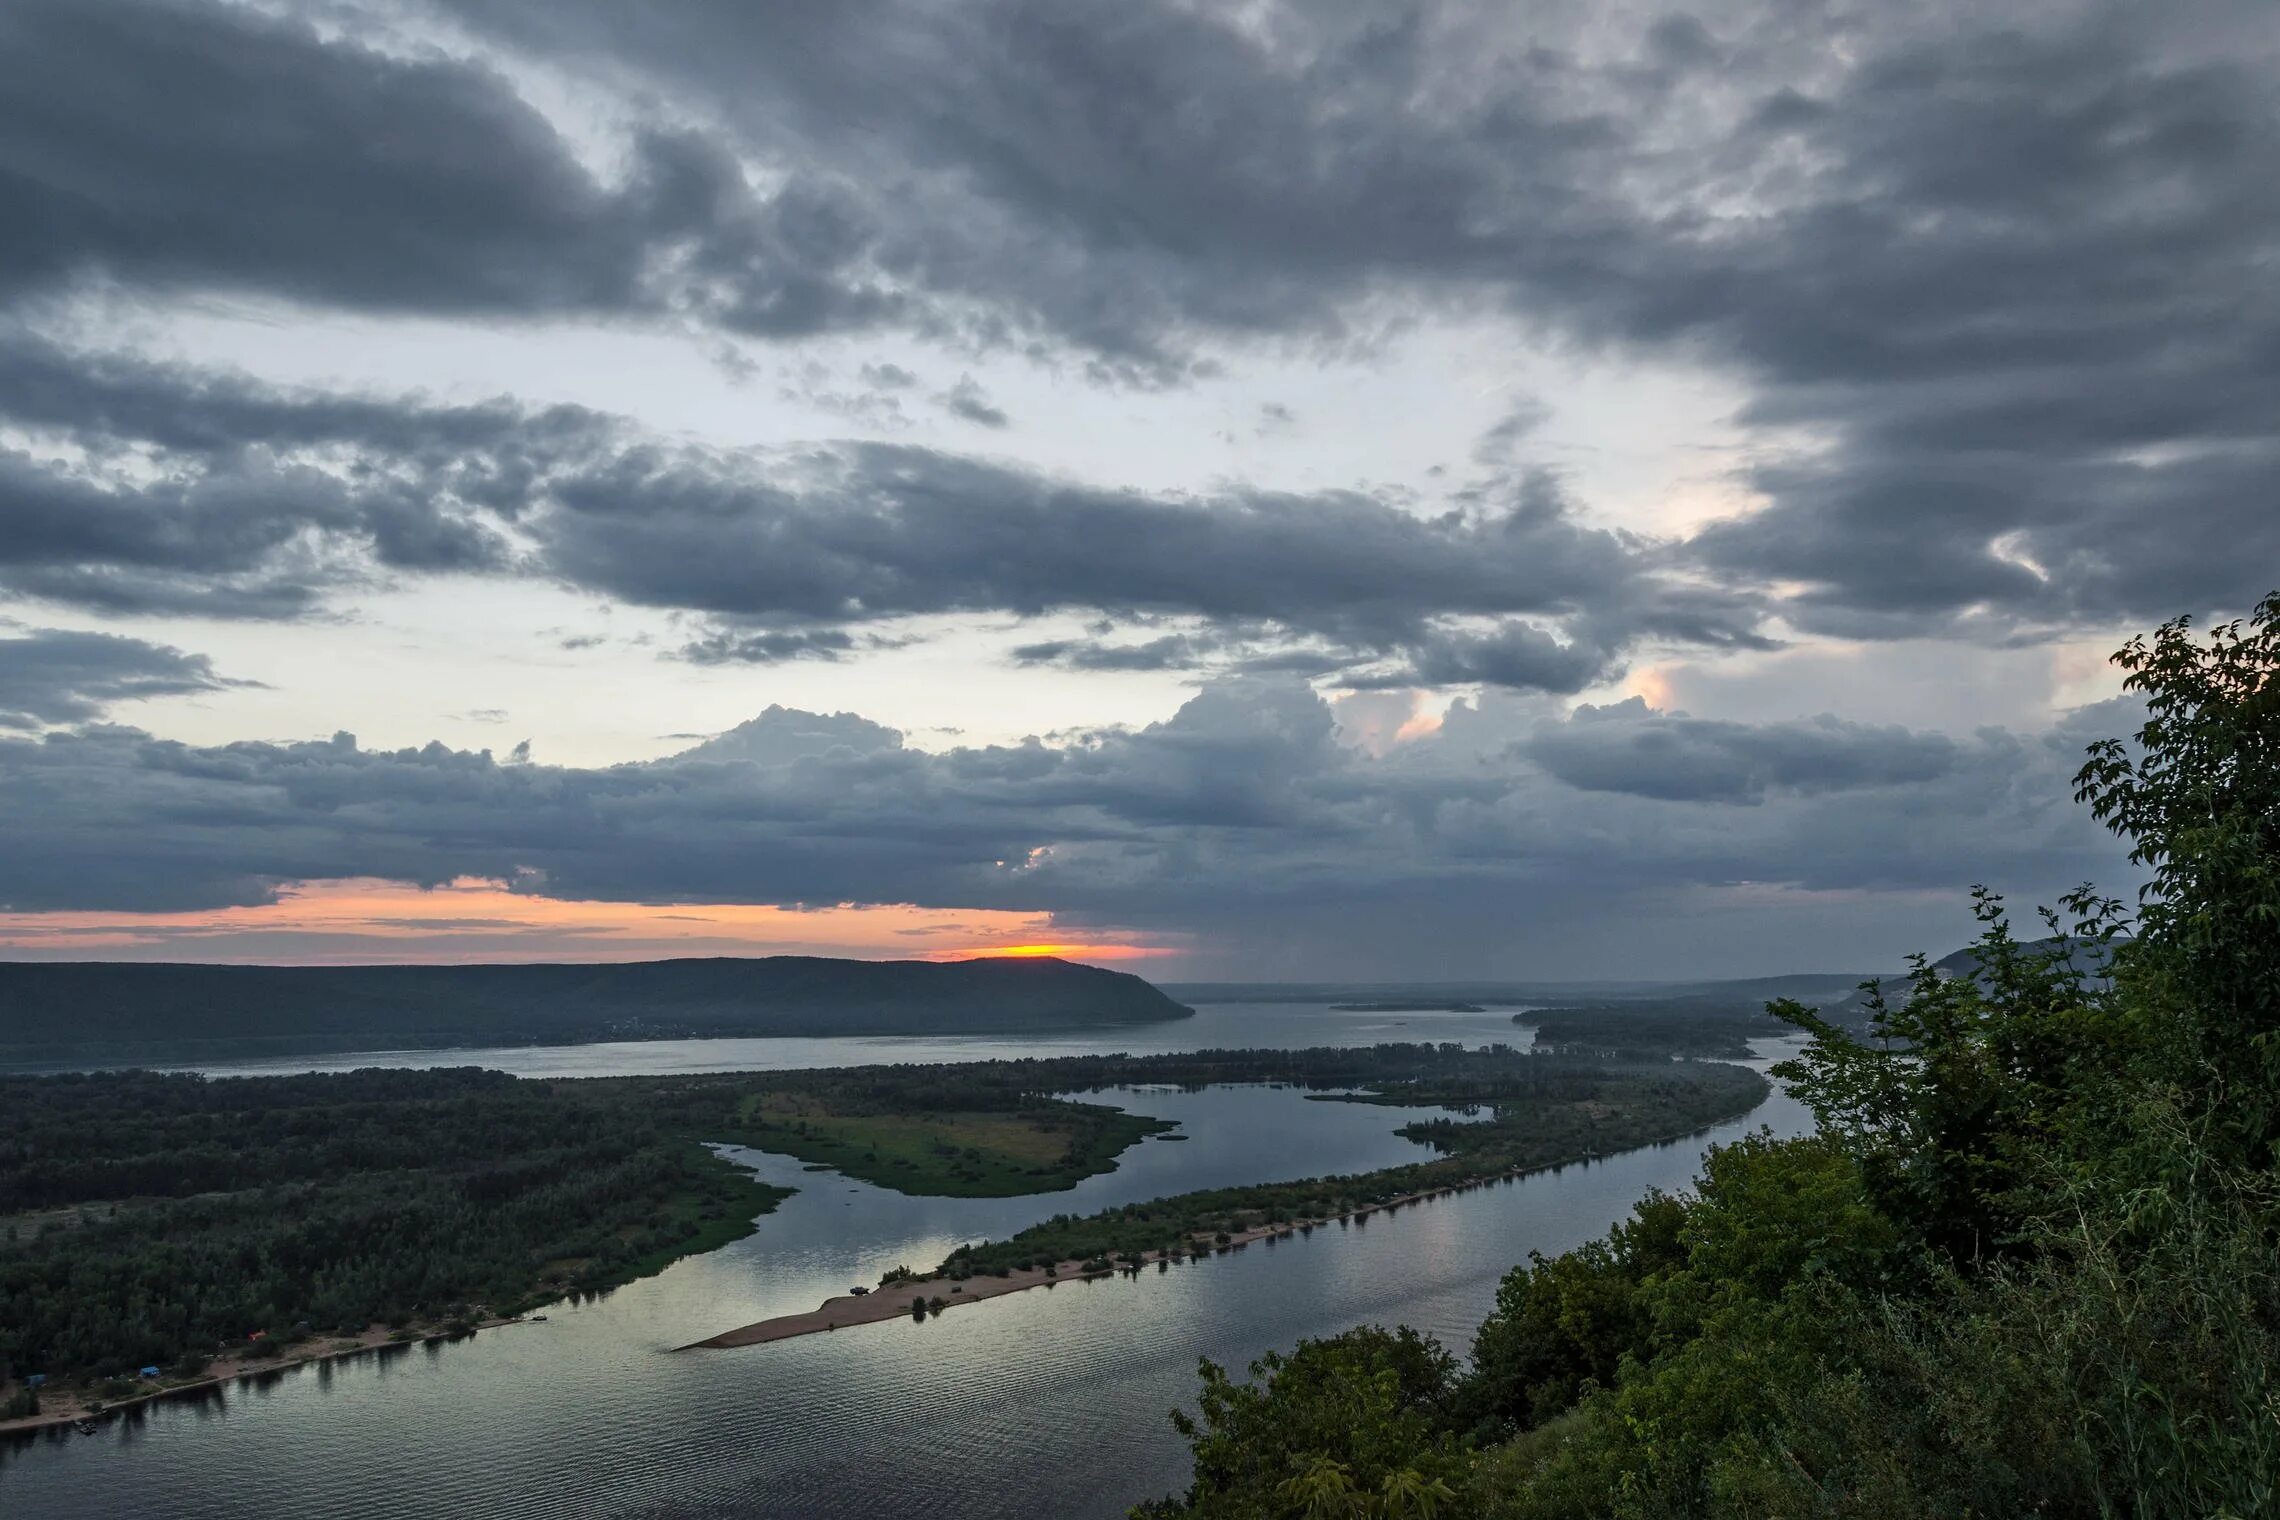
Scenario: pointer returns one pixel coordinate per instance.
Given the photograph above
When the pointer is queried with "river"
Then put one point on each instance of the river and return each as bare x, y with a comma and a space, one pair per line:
1047, 1403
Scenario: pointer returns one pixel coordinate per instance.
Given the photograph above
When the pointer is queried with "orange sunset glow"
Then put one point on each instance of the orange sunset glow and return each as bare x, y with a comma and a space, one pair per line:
366, 920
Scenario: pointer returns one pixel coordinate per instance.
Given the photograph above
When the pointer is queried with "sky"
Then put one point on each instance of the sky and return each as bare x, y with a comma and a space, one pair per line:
1326, 491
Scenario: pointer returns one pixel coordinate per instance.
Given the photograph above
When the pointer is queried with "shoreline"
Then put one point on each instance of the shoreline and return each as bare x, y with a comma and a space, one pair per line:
845, 1311
69, 1406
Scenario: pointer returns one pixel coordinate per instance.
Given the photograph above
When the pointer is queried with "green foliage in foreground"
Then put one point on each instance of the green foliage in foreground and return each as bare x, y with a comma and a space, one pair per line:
2027, 1266
1528, 1111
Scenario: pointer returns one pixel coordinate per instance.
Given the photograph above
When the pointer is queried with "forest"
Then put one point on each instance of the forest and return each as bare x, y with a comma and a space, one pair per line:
2026, 1265
158, 1220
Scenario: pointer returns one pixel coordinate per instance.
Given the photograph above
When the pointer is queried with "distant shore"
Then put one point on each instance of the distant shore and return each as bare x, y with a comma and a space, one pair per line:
894, 1301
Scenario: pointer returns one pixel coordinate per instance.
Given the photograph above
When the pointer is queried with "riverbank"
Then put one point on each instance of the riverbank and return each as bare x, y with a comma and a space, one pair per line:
895, 1300
67, 1405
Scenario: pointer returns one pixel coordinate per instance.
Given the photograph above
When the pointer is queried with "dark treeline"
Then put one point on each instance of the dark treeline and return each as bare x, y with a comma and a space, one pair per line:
2029, 1264
116, 1012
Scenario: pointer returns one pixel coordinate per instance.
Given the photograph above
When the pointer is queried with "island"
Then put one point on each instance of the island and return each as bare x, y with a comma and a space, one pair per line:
1714, 1026
126, 1013
1402, 1007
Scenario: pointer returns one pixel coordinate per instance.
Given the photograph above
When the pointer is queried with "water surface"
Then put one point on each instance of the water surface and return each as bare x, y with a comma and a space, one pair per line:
1214, 1026
1047, 1403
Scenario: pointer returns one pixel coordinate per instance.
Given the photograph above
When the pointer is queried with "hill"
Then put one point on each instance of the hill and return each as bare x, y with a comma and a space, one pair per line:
119, 1012
2090, 959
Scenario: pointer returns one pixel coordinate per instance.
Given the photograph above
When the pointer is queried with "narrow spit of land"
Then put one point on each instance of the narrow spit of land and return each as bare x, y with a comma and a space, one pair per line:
894, 1301
1515, 1138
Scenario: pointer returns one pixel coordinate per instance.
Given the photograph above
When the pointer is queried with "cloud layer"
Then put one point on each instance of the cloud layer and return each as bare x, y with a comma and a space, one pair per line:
1993, 283
1996, 276
211, 493
1216, 824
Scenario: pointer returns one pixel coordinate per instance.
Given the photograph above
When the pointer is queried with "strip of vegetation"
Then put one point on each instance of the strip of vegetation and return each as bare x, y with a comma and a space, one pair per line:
1532, 1112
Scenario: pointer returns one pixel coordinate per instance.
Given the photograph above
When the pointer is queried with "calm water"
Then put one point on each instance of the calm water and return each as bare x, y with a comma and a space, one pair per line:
1214, 1026
1049, 1403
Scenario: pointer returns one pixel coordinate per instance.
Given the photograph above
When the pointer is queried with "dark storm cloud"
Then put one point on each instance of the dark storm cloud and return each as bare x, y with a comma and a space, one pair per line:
867, 531
56, 675
2021, 294
2000, 275
184, 146
207, 494
1517, 655
1226, 819
210, 493
2006, 269
1172, 651
1627, 748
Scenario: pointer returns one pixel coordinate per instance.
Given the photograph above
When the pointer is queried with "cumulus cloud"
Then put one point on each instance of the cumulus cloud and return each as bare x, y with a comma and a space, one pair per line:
1628, 748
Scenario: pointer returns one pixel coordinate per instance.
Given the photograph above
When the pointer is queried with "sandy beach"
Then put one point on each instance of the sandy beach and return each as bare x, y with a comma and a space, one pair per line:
67, 1405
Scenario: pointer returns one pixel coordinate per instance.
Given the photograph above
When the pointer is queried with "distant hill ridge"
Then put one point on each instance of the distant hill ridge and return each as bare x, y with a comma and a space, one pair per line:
119, 1011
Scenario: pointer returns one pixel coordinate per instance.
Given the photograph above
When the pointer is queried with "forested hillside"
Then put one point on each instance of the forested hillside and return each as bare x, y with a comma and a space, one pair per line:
2027, 1267
120, 1012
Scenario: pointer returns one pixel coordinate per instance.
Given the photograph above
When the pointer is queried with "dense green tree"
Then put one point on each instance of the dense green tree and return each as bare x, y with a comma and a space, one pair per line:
2198, 799
1352, 1425
2030, 1264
